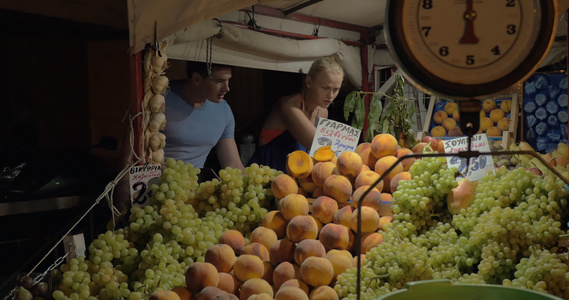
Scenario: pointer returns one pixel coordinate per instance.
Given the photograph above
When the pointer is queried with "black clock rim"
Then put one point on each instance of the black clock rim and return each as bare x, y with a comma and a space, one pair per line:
437, 86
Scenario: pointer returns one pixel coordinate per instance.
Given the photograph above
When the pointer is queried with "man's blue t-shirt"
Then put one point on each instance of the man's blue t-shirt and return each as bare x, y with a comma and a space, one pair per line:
192, 133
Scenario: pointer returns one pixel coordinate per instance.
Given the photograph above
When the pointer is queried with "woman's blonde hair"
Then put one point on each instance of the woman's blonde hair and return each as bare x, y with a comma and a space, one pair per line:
328, 63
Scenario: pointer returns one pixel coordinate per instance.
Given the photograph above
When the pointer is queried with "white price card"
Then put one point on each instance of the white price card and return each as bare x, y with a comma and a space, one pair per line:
141, 177
339, 136
479, 166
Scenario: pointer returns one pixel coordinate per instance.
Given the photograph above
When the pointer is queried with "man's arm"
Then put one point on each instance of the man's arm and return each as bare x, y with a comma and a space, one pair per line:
228, 155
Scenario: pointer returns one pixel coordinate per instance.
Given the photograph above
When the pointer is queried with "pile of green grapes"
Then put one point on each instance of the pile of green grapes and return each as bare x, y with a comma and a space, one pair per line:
183, 219
508, 235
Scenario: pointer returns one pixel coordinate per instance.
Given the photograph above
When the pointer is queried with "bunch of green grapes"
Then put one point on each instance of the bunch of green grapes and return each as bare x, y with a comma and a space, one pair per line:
420, 203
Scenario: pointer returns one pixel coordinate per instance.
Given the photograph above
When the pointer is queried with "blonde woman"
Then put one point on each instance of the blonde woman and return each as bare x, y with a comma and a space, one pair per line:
291, 124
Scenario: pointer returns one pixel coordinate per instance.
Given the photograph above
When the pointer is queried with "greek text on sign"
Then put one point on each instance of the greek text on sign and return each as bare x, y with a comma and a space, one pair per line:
339, 136
140, 179
479, 166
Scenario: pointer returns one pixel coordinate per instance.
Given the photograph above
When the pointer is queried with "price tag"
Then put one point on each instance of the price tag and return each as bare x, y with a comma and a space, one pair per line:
479, 166
339, 136
141, 177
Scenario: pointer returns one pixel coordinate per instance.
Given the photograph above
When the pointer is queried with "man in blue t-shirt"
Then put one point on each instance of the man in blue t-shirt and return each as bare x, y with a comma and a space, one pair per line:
199, 119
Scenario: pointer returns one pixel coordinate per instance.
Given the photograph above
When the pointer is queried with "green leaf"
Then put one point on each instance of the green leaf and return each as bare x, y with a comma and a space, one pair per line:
385, 126
375, 108
411, 113
349, 104
359, 113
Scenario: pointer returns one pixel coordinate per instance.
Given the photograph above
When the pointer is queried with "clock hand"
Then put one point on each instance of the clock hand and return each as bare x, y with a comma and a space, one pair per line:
469, 16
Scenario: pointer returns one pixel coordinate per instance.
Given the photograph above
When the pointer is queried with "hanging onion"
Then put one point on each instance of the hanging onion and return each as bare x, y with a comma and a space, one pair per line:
157, 141
157, 122
160, 84
157, 103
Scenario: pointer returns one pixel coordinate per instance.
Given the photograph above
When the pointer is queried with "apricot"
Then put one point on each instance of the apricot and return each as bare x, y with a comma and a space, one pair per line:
300, 228
361, 147
296, 283
200, 275
340, 263
307, 184
367, 178
316, 271
405, 176
369, 219
371, 240
506, 105
438, 131
256, 249
323, 170
349, 164
293, 205
324, 209
450, 108
455, 132
449, 124
456, 116
283, 272
248, 266
290, 293
384, 163
281, 251
384, 221
264, 236
163, 295
307, 248
493, 131
283, 185
483, 114
503, 124
368, 158
489, 105
383, 144
275, 220
182, 292
385, 205
211, 292
485, 123
221, 256
338, 187
439, 117
299, 164
496, 115
372, 199
324, 153
408, 162
234, 239
323, 292
255, 286
343, 215
461, 196
227, 282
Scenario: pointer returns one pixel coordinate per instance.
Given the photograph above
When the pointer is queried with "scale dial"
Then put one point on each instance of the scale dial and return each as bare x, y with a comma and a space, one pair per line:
462, 49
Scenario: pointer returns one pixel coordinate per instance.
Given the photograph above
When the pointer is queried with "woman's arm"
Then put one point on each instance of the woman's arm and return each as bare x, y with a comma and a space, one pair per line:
296, 122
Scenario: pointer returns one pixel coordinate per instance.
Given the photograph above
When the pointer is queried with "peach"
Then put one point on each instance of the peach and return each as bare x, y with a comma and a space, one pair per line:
323, 292
489, 105
319, 191
432, 140
293, 205
486, 123
395, 181
441, 145
290, 293
496, 115
211, 292
307, 248
319, 223
182, 292
461, 196
221, 256
438, 131
296, 283
450, 108
316, 271
323, 170
368, 178
483, 114
260, 297
506, 105
385, 205
503, 124
332, 252
227, 282
324, 153
493, 131
419, 148
338, 187
254, 286
281, 251
234, 239
368, 158
372, 199
384, 221
334, 236
371, 240
159, 295
340, 263
275, 220
283, 272
439, 117
307, 184
455, 132
456, 116
300, 228
343, 216
369, 219
299, 164
248, 266
324, 209
352, 240
349, 164
383, 144
263, 235
283, 185
199, 275
361, 147
406, 163
362, 257
268, 273
449, 124
384, 163
256, 249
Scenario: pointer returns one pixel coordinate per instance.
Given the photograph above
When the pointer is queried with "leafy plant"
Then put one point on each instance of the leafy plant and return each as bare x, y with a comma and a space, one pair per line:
396, 120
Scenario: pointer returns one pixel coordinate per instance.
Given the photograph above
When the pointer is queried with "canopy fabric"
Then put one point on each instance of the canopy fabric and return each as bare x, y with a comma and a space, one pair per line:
152, 21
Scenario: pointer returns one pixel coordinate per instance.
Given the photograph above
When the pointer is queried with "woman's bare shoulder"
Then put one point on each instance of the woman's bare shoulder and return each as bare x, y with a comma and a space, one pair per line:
290, 101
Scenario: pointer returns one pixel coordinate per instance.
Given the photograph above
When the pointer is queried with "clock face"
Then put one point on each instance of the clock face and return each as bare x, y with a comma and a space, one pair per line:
468, 48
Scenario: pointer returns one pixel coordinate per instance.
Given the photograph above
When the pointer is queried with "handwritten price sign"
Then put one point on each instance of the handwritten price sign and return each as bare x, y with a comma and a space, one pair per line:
479, 166
140, 179
339, 136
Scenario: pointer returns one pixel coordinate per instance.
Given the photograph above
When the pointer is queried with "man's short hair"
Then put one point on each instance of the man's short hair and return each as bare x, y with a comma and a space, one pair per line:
201, 68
